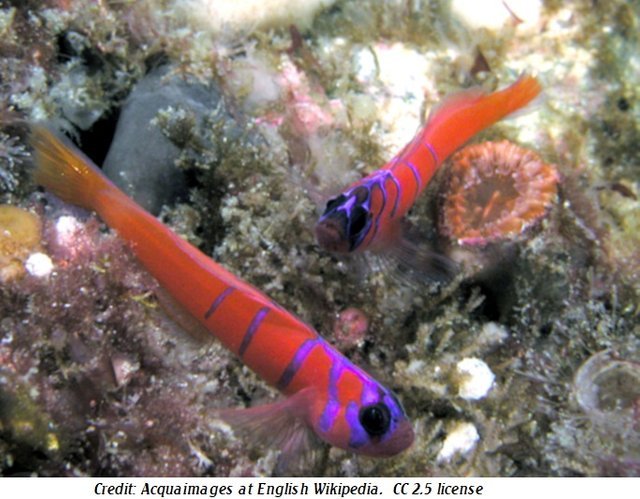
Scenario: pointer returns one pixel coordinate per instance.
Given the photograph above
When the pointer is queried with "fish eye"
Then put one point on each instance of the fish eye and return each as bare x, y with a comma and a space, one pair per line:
359, 219
334, 203
375, 419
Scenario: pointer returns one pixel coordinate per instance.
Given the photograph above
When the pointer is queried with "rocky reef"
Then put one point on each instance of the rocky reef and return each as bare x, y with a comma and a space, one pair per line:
525, 363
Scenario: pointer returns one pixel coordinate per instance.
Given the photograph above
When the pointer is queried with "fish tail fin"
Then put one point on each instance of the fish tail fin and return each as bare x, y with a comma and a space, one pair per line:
64, 170
495, 106
519, 94
462, 115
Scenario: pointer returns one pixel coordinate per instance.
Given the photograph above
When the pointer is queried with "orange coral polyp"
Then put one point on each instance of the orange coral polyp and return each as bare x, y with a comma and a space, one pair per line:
496, 190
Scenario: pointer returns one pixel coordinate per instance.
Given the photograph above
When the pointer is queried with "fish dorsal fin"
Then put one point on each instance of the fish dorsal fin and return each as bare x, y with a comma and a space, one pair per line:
279, 425
453, 103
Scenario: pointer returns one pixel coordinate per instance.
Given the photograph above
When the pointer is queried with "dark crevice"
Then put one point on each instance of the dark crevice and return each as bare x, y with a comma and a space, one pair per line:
96, 141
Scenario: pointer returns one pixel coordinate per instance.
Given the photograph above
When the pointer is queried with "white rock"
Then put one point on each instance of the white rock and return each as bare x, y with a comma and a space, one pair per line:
475, 378
66, 229
248, 15
461, 439
39, 265
493, 333
496, 14
123, 368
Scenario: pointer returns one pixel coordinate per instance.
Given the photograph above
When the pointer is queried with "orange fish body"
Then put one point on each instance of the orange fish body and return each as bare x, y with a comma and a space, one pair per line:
339, 402
367, 214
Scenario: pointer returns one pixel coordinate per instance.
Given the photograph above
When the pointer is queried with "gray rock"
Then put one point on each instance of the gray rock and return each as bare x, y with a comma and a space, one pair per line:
141, 159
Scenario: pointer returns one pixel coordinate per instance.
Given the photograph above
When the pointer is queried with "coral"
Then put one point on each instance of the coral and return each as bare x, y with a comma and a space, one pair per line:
496, 191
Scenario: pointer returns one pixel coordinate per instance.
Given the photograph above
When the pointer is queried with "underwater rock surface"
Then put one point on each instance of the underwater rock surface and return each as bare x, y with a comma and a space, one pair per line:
141, 158
525, 364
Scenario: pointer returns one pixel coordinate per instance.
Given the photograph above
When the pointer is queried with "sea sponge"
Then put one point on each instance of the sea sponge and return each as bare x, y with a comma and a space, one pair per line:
20, 235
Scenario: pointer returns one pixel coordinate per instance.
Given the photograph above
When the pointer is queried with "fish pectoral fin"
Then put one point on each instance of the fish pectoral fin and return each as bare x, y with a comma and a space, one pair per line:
414, 264
281, 425
419, 262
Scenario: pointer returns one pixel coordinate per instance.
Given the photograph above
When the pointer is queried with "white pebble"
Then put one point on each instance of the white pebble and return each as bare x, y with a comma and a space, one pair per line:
39, 265
366, 65
493, 333
123, 368
475, 378
461, 439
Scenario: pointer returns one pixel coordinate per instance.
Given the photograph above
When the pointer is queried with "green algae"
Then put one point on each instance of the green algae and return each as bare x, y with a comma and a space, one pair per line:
23, 420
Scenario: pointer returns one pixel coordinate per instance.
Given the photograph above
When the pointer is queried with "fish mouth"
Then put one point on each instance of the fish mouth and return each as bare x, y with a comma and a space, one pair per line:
400, 440
331, 236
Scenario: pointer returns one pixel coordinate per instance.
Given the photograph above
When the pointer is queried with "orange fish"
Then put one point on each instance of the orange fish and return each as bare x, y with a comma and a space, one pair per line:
326, 393
368, 214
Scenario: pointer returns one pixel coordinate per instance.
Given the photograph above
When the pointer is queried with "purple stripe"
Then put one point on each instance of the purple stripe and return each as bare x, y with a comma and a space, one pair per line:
329, 415
216, 303
384, 203
397, 184
416, 176
251, 330
380, 185
298, 359
358, 436
433, 152
331, 409
371, 393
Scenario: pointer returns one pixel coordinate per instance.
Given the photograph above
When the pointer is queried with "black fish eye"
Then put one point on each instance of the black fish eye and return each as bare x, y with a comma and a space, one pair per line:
375, 419
359, 218
335, 202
